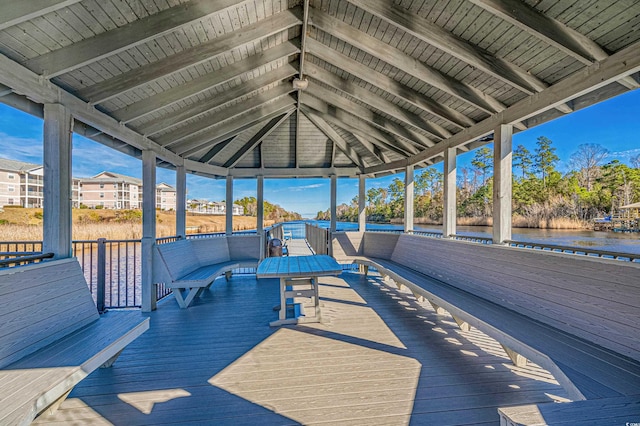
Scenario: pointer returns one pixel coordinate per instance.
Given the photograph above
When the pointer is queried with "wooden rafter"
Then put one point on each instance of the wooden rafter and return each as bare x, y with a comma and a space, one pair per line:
15, 13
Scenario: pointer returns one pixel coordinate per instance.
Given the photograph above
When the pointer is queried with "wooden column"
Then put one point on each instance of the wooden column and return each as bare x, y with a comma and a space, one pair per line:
362, 204
334, 196
57, 181
181, 201
260, 213
408, 199
148, 229
502, 185
449, 214
229, 207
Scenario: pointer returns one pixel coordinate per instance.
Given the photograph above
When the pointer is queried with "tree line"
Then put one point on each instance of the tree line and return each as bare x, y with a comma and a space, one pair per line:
271, 211
542, 195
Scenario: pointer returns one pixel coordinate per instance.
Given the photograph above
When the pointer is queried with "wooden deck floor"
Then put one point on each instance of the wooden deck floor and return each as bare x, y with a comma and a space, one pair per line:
298, 247
383, 358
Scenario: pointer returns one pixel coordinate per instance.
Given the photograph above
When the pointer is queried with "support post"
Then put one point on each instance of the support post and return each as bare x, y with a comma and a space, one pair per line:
502, 185
148, 228
449, 215
181, 202
229, 207
260, 214
334, 196
362, 204
408, 199
57, 181
101, 282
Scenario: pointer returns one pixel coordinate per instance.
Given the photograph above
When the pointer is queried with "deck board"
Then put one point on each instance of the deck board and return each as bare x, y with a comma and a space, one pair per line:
381, 358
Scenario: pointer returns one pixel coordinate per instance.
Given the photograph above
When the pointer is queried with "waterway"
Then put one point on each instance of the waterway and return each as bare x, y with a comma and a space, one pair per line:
609, 241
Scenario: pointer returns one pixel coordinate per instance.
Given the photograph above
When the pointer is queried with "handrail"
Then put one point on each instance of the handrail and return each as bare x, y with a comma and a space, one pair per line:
25, 258
574, 250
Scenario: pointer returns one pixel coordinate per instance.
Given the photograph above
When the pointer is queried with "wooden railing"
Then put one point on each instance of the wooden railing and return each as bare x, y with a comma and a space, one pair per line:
317, 238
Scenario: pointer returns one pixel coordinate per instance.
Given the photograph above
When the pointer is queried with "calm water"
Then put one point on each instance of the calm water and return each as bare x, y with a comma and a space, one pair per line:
611, 241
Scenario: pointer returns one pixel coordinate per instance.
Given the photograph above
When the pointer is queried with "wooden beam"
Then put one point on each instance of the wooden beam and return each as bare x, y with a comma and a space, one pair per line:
301, 172
198, 85
57, 181
365, 121
334, 210
224, 130
551, 31
336, 138
388, 84
14, 13
215, 150
375, 101
148, 229
256, 139
365, 114
362, 204
201, 53
246, 88
371, 149
391, 55
439, 38
408, 198
238, 109
623, 63
181, 202
109, 43
502, 186
449, 215
229, 206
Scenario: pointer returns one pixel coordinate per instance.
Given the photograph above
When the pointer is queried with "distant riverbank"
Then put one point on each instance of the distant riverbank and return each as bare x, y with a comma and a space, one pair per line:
25, 224
517, 222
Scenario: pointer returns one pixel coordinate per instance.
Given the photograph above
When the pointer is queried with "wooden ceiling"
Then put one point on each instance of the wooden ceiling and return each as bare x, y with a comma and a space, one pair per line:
317, 87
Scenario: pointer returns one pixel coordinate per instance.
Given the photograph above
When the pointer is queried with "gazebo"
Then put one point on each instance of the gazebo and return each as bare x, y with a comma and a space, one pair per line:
262, 89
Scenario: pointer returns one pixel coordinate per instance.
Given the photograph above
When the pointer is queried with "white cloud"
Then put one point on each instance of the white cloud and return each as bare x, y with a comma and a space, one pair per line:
625, 155
21, 149
304, 187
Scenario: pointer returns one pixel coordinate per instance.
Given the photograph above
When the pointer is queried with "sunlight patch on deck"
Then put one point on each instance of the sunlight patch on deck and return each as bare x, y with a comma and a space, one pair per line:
144, 401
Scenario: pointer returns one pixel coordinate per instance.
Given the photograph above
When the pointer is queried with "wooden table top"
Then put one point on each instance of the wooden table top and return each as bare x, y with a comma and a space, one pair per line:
298, 266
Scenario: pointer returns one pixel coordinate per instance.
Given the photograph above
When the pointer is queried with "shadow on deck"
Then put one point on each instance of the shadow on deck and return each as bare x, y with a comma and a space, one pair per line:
382, 358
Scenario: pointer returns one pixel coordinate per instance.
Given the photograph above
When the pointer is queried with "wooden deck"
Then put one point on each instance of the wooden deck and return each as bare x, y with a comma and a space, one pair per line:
298, 247
382, 358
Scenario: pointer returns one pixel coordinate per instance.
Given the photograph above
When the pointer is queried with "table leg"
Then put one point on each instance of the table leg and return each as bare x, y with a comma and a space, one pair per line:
283, 300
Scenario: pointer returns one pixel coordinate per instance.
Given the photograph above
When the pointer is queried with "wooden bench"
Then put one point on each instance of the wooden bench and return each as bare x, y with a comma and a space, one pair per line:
575, 316
52, 337
188, 267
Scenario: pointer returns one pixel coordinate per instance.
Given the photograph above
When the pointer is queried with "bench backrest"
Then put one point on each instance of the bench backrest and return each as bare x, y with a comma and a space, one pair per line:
346, 244
595, 299
379, 244
244, 248
41, 303
211, 250
179, 258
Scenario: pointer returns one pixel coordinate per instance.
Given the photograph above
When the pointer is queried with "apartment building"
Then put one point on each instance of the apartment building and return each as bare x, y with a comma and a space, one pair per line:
111, 190
212, 207
22, 184
166, 197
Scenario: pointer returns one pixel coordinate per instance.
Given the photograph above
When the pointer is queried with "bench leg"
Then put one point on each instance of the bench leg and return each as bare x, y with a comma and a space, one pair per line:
53, 407
517, 359
111, 360
185, 296
464, 326
227, 275
438, 309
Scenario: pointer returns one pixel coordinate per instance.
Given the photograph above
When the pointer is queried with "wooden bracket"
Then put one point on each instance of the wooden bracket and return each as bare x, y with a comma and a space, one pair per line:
517, 359
438, 309
464, 326
108, 363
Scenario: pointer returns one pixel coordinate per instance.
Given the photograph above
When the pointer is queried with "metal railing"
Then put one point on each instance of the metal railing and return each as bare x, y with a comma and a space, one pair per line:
10, 259
605, 254
318, 238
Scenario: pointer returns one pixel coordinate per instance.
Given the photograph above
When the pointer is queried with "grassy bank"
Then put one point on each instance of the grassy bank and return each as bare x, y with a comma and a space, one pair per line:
20, 224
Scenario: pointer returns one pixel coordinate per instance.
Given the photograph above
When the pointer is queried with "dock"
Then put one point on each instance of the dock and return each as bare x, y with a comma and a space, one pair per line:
380, 357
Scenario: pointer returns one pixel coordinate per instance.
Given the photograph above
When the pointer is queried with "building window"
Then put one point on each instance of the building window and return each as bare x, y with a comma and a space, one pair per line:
101, 185
11, 188
11, 176
102, 195
115, 185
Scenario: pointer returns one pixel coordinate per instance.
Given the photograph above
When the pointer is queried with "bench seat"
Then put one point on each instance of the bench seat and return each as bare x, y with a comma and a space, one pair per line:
52, 337
188, 267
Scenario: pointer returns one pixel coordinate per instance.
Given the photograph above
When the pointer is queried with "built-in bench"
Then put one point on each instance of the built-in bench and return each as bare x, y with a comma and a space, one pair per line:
575, 316
52, 337
188, 267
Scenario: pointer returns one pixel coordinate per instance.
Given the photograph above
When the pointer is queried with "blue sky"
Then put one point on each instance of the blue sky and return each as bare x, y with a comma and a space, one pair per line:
614, 124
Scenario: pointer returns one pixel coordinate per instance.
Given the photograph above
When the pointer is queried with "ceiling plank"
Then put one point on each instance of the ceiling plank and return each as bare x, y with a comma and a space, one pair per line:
551, 31
436, 36
365, 114
137, 77
174, 137
622, 63
391, 55
109, 43
17, 12
246, 88
256, 139
387, 84
206, 82
340, 143
375, 101
228, 128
